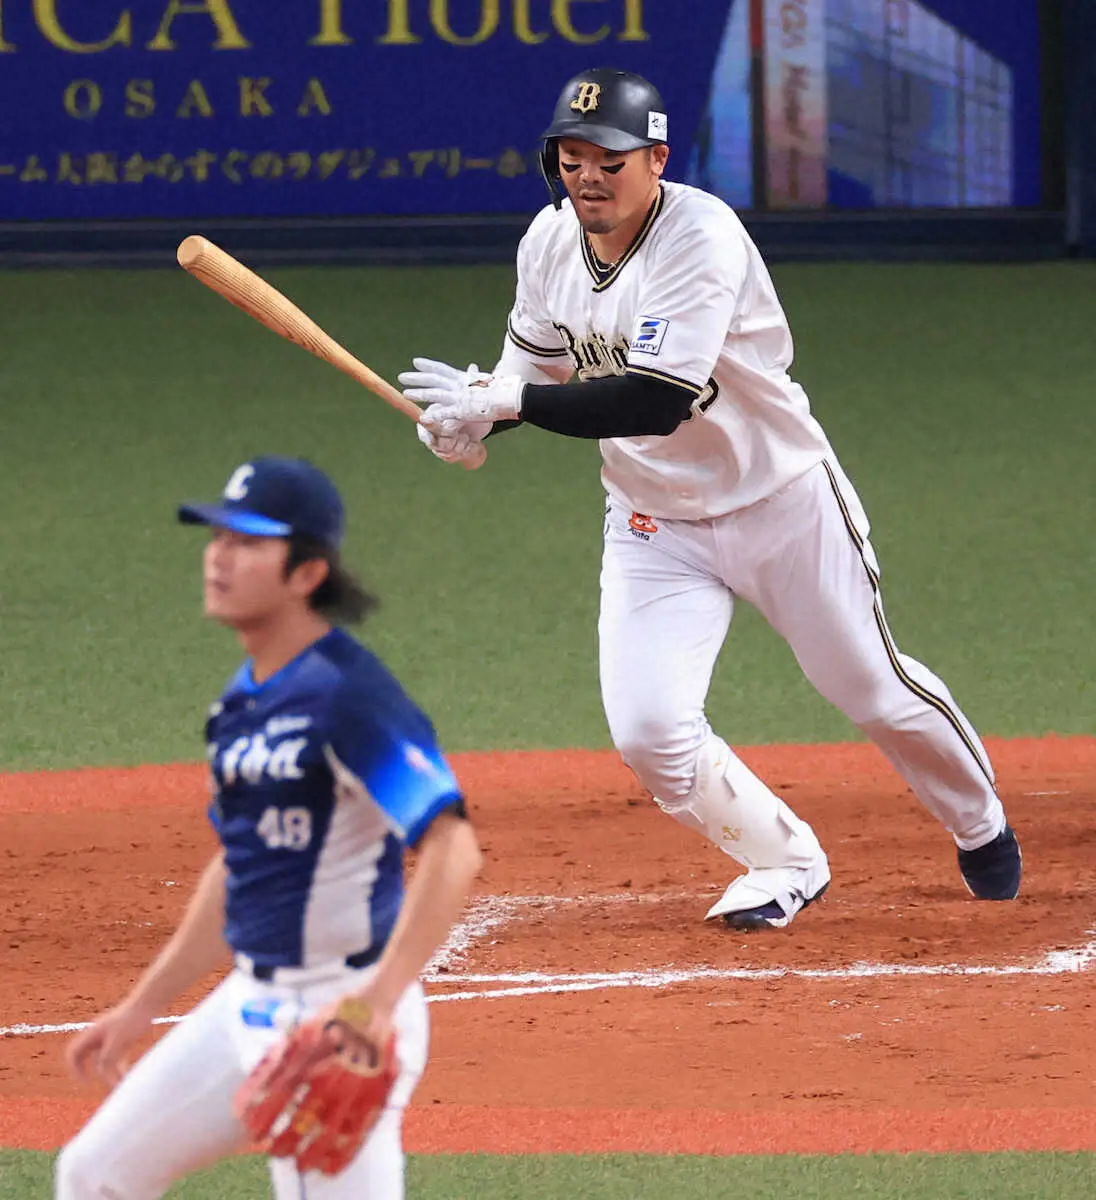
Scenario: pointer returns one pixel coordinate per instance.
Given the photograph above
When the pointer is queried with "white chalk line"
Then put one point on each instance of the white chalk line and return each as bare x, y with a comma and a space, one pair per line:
484, 914
494, 912
24, 1030
535, 983
489, 913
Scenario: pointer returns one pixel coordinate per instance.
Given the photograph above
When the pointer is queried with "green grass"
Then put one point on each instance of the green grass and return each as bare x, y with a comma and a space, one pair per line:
639, 1177
959, 398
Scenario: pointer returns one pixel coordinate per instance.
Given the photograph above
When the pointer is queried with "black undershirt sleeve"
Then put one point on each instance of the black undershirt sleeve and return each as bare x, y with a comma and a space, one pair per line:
616, 406
500, 427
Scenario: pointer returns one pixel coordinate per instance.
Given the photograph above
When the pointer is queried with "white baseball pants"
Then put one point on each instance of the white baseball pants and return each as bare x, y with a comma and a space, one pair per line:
172, 1113
803, 558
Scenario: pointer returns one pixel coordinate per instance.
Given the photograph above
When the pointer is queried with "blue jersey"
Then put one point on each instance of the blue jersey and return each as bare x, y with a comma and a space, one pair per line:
321, 775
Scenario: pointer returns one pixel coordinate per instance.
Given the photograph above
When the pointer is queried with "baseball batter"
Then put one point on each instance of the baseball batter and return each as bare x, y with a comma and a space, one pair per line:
645, 317
323, 770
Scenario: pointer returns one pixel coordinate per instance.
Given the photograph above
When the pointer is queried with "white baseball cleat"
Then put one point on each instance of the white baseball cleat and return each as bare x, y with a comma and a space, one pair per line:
769, 898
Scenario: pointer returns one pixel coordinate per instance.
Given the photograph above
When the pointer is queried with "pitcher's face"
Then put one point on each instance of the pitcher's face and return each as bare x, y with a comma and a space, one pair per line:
243, 577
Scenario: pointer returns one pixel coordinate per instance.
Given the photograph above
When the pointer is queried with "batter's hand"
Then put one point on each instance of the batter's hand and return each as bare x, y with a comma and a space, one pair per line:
430, 373
102, 1050
451, 440
454, 442
470, 397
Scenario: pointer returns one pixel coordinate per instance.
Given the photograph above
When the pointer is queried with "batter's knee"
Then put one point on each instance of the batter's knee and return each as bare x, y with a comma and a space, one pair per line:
888, 705
871, 694
662, 754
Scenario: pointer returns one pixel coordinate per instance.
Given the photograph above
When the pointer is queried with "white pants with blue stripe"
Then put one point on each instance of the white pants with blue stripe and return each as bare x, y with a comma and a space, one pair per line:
172, 1113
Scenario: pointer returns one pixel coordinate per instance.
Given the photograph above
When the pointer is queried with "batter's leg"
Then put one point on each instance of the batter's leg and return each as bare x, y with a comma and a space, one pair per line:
170, 1115
814, 577
664, 617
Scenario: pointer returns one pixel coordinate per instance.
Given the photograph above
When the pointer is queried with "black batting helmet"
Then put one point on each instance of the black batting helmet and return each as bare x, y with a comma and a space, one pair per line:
612, 109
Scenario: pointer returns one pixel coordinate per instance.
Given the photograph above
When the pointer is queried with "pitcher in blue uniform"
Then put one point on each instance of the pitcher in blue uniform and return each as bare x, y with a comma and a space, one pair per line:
323, 770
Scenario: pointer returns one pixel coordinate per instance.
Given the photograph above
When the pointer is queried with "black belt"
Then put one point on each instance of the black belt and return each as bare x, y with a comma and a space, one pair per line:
265, 972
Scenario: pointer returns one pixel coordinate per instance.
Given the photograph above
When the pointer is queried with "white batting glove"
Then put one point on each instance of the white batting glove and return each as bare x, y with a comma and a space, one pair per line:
452, 443
429, 373
471, 396
440, 379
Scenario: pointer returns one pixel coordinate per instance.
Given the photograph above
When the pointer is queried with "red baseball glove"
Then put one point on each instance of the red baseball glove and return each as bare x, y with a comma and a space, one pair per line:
316, 1094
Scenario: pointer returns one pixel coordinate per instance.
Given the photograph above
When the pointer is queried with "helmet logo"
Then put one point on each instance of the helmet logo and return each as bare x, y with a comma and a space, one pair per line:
587, 98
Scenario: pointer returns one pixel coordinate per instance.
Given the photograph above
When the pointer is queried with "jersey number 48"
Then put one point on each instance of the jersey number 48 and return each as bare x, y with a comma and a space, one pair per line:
285, 828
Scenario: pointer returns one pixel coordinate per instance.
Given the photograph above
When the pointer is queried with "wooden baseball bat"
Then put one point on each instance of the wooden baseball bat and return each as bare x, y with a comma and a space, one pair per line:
241, 286
247, 291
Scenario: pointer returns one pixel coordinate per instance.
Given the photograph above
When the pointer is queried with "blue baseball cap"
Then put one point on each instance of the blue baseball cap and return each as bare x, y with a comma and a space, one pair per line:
275, 497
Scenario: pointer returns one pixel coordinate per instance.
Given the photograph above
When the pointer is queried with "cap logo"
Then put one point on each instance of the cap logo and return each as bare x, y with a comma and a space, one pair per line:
587, 98
236, 488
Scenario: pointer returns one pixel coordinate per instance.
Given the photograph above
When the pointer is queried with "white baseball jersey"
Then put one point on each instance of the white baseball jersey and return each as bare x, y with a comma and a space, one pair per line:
690, 302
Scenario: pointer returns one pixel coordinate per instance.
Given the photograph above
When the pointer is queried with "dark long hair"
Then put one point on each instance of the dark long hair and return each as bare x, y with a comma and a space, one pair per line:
341, 598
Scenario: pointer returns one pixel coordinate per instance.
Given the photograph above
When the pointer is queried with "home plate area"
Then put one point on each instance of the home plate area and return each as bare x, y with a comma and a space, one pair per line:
587, 884
512, 946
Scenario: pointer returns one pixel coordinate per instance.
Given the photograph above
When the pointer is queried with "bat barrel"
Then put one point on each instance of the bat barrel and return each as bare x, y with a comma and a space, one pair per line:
218, 270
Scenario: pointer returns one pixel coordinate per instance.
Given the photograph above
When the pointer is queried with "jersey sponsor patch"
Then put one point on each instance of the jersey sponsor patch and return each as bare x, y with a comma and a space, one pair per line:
649, 335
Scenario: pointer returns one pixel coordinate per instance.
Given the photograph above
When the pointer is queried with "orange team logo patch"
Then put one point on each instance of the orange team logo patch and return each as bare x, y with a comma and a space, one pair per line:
642, 523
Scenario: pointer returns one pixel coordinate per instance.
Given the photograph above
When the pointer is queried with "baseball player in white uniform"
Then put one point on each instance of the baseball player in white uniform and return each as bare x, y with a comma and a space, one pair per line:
323, 770
646, 318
